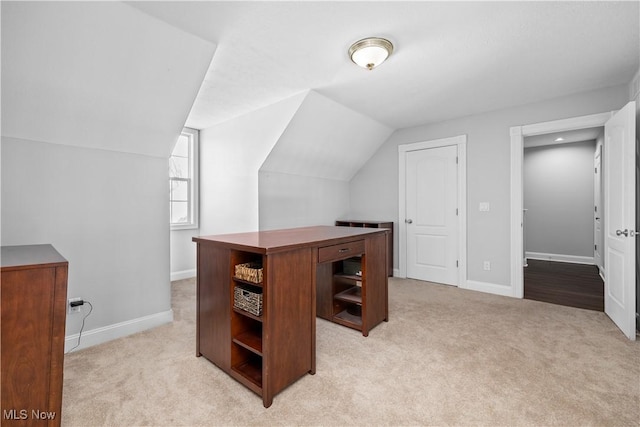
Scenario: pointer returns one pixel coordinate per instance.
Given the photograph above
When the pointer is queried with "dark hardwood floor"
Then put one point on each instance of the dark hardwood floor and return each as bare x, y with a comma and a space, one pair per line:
574, 285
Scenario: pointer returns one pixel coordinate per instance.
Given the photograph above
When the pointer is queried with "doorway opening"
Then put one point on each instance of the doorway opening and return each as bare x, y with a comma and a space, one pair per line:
619, 208
562, 196
518, 134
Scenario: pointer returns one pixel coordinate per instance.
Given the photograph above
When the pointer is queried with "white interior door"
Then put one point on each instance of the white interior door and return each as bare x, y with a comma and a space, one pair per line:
597, 210
431, 215
619, 221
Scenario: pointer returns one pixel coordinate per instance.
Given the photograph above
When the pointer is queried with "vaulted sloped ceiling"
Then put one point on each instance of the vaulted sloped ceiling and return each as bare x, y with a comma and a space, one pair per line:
451, 58
325, 139
97, 74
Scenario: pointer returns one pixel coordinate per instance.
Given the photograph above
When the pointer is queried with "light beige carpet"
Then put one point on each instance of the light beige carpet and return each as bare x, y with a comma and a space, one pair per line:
447, 357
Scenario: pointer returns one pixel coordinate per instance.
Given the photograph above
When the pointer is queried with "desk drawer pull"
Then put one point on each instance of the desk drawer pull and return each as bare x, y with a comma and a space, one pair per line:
340, 251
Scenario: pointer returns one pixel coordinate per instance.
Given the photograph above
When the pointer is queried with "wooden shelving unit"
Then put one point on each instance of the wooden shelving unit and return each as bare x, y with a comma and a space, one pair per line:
347, 293
351, 292
374, 224
246, 328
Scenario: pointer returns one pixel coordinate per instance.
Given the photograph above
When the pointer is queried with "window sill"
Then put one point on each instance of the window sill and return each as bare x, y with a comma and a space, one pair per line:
184, 227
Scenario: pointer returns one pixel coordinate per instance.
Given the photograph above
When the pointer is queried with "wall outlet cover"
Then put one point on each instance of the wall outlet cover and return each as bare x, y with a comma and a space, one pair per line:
77, 309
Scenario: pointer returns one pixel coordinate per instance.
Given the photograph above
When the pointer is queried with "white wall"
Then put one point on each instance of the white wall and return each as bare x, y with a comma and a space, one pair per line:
558, 189
230, 156
94, 96
374, 190
107, 214
285, 165
288, 201
305, 179
183, 253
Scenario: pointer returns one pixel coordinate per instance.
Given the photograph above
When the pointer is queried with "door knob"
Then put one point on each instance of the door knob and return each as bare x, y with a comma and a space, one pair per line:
621, 232
408, 221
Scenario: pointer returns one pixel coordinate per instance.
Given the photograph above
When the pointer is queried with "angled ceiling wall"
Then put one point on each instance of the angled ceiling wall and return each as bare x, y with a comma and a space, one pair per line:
325, 140
230, 156
97, 74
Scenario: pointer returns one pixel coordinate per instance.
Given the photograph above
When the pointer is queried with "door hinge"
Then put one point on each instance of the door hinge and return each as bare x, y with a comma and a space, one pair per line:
595, 170
456, 160
595, 247
456, 263
456, 211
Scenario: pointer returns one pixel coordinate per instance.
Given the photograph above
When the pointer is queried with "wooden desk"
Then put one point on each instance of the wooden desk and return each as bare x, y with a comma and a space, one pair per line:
302, 273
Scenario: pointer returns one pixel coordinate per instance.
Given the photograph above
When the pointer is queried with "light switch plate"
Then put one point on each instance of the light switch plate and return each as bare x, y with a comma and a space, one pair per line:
484, 206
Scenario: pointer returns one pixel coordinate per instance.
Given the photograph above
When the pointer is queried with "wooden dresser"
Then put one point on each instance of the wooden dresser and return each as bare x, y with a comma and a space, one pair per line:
268, 350
33, 314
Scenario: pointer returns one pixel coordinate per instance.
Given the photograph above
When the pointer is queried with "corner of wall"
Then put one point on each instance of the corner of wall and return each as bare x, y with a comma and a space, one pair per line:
634, 88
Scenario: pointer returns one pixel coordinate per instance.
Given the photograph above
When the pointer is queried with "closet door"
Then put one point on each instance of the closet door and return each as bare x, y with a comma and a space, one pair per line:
432, 214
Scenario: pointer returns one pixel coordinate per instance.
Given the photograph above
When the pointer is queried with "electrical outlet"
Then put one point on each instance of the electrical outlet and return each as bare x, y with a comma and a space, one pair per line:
487, 265
75, 309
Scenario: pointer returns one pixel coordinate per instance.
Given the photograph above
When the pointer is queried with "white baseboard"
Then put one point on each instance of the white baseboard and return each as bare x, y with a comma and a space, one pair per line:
491, 288
117, 330
396, 272
184, 274
474, 285
561, 258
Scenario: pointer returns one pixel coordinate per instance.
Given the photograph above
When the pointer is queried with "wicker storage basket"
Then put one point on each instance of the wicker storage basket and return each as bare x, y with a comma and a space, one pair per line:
248, 300
250, 271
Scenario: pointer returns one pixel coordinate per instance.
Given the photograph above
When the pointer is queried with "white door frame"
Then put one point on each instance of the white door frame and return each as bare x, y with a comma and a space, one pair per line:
517, 146
461, 142
598, 199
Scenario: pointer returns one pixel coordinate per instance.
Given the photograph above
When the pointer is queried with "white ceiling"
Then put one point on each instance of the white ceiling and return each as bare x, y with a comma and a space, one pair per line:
451, 59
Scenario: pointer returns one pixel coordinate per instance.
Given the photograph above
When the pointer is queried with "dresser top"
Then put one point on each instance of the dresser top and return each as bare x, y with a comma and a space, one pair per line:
17, 257
290, 238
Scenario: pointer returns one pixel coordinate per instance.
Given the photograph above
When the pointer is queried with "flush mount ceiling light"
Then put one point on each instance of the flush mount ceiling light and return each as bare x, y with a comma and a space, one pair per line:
370, 52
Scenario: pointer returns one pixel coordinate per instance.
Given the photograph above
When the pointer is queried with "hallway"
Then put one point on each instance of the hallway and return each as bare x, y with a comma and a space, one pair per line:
574, 285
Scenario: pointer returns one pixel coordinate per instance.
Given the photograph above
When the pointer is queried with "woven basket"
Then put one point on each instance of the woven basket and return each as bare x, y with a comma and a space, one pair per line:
248, 300
250, 271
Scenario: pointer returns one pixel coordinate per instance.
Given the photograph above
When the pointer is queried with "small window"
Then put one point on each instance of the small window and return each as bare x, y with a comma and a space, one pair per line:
183, 181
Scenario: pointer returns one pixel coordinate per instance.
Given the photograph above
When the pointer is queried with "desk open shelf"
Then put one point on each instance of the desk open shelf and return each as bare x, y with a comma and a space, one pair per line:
351, 295
347, 319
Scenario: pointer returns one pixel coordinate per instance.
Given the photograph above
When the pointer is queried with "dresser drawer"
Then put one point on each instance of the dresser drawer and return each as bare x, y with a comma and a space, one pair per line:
341, 251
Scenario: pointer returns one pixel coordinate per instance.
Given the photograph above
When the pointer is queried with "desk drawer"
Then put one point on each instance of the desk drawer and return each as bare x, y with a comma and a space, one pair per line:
341, 251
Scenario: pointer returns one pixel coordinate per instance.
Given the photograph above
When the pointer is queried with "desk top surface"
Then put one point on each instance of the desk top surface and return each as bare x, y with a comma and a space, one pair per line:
18, 257
290, 238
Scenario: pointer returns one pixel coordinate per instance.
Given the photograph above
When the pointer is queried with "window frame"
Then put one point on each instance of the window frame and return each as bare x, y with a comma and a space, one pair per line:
193, 136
